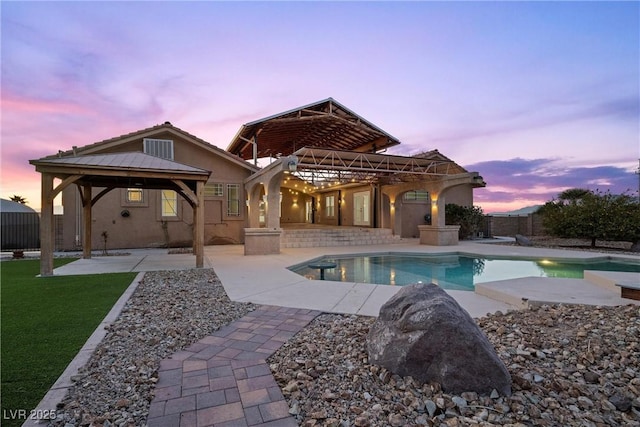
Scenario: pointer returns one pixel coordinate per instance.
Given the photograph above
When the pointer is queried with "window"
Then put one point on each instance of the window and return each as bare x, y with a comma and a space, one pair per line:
416, 196
135, 195
233, 199
330, 205
169, 203
213, 190
162, 148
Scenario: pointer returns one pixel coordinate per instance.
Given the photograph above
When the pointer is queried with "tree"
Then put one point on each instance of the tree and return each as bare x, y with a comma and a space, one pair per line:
585, 214
18, 199
469, 218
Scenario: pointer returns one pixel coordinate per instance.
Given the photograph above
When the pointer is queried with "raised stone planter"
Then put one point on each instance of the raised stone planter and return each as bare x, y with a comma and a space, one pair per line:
439, 235
262, 241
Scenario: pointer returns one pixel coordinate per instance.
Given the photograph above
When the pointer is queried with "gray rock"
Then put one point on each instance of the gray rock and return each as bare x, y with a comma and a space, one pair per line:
621, 402
523, 241
430, 406
423, 332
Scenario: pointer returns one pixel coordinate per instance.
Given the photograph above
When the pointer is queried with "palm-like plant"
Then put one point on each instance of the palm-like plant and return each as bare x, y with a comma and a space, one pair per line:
18, 199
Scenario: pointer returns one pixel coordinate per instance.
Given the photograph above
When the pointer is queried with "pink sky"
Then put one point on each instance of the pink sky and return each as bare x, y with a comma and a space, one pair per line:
537, 97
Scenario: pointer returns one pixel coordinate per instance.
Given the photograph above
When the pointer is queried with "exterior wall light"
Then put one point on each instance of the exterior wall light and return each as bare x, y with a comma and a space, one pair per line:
290, 164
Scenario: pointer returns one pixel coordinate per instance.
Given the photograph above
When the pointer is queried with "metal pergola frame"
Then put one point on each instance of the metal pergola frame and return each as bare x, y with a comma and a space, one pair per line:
321, 167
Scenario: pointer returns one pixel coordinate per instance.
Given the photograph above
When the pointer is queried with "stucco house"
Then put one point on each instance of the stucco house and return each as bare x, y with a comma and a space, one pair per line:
134, 216
326, 166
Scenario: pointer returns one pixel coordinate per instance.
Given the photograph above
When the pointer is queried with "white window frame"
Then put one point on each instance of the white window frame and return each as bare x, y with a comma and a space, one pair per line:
214, 189
168, 204
417, 196
134, 200
330, 206
233, 200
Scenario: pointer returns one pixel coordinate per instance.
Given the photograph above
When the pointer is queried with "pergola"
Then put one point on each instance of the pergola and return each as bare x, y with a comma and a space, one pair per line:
341, 167
108, 172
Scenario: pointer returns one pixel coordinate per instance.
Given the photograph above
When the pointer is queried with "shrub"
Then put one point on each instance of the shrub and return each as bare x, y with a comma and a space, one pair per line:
469, 218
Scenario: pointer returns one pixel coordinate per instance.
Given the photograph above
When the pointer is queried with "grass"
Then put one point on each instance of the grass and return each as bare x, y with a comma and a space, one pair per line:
44, 323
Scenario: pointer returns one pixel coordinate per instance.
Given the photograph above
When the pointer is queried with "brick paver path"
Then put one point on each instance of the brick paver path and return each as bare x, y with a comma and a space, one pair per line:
223, 379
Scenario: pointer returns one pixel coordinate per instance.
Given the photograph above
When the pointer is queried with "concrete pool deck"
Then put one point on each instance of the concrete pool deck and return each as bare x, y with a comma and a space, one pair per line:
264, 279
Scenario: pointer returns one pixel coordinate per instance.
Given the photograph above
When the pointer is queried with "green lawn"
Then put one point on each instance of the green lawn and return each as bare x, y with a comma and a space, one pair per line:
44, 323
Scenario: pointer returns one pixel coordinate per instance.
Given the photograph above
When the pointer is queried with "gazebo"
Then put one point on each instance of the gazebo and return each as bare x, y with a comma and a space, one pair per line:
107, 172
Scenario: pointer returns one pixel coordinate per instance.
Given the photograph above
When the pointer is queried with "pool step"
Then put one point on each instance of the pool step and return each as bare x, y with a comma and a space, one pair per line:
627, 284
534, 291
352, 236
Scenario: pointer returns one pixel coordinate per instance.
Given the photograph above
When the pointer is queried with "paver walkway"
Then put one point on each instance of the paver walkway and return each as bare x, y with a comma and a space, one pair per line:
224, 380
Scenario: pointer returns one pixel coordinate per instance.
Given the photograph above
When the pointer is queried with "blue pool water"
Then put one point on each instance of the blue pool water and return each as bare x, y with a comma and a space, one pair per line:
451, 271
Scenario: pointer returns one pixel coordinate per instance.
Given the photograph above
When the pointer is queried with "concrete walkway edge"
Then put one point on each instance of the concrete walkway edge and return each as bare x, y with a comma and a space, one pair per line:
59, 389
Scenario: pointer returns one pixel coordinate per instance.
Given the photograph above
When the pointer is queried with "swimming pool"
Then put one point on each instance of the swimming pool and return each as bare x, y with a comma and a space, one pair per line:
454, 270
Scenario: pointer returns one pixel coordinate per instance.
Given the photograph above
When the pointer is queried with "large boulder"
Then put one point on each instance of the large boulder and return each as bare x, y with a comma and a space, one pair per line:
423, 332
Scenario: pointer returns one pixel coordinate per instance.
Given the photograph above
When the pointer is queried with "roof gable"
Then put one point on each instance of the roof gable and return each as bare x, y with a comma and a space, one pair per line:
325, 124
100, 146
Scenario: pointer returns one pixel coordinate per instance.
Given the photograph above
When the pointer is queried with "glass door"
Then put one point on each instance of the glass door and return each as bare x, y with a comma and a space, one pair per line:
361, 206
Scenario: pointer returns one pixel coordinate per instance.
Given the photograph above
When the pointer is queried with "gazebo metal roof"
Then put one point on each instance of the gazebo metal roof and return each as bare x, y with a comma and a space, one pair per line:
123, 170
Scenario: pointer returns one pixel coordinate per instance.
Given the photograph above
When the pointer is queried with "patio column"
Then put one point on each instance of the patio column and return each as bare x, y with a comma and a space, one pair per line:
46, 225
437, 210
264, 241
253, 206
273, 202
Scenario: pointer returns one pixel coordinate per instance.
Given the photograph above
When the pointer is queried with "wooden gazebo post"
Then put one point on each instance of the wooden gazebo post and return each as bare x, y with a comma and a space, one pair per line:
198, 224
87, 204
46, 225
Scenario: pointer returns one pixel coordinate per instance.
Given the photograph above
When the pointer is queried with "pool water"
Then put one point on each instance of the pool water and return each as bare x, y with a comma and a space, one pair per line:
451, 271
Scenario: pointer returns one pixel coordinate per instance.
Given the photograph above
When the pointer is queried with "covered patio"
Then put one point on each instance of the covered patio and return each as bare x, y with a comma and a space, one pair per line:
108, 172
324, 148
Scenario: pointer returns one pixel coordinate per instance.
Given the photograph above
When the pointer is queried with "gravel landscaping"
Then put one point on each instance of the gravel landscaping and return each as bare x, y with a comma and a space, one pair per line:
168, 311
570, 365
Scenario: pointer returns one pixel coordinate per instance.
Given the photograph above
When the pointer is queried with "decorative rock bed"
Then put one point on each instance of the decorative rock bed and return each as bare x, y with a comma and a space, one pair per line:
571, 365
168, 311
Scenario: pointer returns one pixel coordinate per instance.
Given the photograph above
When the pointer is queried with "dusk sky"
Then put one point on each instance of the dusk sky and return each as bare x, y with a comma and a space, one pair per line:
537, 97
